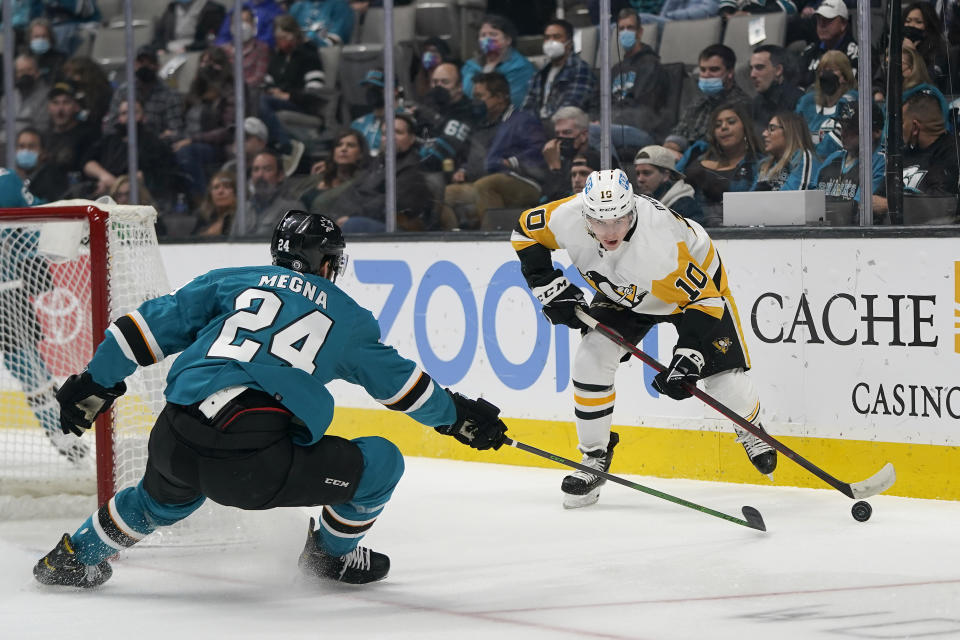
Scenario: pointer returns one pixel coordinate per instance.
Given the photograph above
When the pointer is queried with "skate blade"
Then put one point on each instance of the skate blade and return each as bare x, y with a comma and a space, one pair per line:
575, 502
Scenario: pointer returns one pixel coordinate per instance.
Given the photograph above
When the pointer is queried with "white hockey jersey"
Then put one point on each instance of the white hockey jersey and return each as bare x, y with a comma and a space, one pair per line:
666, 264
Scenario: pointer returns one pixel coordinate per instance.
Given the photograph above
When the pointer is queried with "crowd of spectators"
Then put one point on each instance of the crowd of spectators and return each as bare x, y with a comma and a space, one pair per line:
501, 130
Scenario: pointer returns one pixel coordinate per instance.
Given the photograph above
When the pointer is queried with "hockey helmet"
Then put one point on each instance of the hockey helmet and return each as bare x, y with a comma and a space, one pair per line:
608, 195
305, 242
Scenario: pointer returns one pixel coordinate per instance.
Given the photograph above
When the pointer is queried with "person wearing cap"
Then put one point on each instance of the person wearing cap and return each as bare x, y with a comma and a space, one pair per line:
326, 23
370, 125
253, 143
839, 175
565, 81
162, 106
833, 34
68, 137
657, 177
582, 166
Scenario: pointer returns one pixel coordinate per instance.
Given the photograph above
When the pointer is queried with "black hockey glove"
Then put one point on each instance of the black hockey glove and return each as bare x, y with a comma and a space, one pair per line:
560, 301
82, 400
477, 424
684, 369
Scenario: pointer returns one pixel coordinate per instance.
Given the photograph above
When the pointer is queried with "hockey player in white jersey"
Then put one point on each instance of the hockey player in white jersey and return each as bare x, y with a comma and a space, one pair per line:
648, 265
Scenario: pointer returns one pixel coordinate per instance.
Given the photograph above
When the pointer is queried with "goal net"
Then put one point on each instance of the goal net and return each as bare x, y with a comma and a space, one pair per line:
66, 271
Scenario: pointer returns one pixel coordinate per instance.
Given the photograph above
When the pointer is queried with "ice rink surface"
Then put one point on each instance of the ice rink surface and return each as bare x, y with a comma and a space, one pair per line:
486, 551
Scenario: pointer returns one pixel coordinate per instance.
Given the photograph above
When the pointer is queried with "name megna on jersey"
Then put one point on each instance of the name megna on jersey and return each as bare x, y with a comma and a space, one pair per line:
296, 284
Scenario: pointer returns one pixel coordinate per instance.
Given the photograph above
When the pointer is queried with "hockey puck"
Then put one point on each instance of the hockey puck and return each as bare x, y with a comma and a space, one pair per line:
861, 511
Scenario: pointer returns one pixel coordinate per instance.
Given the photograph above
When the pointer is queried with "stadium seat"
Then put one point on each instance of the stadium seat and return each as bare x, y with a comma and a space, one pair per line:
179, 70
109, 46
585, 42
683, 40
437, 18
355, 61
737, 34
371, 31
111, 11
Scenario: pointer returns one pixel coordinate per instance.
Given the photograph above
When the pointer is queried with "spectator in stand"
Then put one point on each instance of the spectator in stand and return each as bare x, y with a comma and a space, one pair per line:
210, 115
580, 169
839, 175
219, 207
790, 163
683, 10
265, 11
253, 143
93, 88
657, 177
639, 87
42, 44
266, 204
69, 18
68, 137
834, 84
497, 35
930, 151
370, 125
571, 131
729, 8
775, 93
294, 80
916, 79
162, 106
45, 180
726, 160
188, 25
565, 81
505, 166
345, 164
256, 53
433, 52
717, 86
325, 22
833, 34
29, 98
120, 192
923, 32
445, 118
106, 160
362, 205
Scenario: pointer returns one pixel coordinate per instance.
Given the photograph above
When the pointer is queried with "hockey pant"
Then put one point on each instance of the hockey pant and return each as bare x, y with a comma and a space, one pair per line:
246, 459
597, 358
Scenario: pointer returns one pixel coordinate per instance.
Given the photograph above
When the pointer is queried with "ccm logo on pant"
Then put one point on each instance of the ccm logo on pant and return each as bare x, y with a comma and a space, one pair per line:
335, 482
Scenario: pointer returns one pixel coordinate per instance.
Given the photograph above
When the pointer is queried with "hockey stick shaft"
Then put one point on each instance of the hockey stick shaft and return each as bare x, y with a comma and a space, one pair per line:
753, 518
879, 482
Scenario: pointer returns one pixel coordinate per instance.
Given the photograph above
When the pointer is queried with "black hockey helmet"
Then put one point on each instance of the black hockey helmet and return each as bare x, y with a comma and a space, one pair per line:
305, 242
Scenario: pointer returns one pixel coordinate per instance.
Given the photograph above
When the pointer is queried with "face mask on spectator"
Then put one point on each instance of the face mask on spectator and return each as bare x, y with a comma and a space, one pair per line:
913, 34
489, 45
246, 31
430, 60
26, 82
829, 83
438, 97
27, 158
710, 86
39, 46
567, 148
375, 98
628, 38
479, 108
553, 49
146, 74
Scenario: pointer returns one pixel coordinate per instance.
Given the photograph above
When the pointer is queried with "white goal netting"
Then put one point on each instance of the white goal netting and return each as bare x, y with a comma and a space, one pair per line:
48, 297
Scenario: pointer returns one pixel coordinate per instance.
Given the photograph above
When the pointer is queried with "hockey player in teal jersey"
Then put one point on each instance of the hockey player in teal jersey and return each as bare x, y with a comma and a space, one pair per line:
247, 408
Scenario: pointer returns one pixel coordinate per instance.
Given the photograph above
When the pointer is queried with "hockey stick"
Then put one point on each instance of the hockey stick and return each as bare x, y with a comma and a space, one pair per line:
877, 483
753, 518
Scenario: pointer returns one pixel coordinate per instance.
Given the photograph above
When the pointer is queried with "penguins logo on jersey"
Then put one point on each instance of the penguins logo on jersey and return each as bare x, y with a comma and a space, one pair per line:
722, 344
628, 296
913, 176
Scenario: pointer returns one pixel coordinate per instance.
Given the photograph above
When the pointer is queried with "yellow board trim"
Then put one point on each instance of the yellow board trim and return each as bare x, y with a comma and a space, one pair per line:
923, 471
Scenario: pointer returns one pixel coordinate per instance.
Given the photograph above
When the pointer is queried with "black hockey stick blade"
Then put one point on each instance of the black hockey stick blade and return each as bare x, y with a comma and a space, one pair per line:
753, 519
877, 483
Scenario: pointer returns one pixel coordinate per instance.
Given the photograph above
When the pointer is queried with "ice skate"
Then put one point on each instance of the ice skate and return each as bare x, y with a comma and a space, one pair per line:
582, 489
357, 567
61, 567
762, 455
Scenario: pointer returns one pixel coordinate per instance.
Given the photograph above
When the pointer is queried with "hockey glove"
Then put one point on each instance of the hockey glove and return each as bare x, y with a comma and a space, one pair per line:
478, 424
560, 300
82, 400
684, 370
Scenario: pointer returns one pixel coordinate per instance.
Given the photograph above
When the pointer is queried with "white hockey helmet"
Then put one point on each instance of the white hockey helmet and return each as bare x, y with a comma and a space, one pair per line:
608, 195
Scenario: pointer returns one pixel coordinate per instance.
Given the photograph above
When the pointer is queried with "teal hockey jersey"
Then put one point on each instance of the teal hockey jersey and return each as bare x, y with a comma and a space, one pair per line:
272, 329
